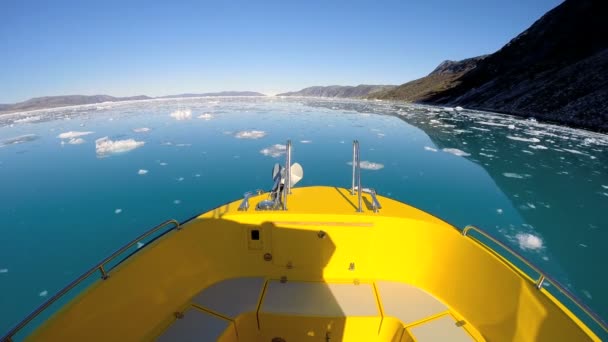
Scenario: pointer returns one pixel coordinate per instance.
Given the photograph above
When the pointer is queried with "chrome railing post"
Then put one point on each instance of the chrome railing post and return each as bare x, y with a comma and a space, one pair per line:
358, 157
287, 185
352, 188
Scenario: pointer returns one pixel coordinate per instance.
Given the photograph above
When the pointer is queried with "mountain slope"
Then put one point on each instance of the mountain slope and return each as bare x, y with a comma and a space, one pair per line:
444, 77
359, 91
555, 70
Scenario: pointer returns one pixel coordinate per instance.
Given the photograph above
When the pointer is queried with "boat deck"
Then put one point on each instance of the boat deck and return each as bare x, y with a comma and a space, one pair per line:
290, 311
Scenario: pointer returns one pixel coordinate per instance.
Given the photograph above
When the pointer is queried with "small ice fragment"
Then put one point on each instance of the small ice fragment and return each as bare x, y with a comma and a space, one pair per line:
118, 211
428, 148
533, 140
605, 186
253, 134
531, 205
105, 146
141, 130
305, 141
3, 270
197, 175
43, 293
180, 179
163, 164
177, 202
529, 242
367, 165
511, 126
142, 172
583, 245
205, 116
458, 108
546, 258
515, 175
72, 134
499, 211
587, 294
182, 114
456, 152
76, 141
274, 151
139, 245
538, 147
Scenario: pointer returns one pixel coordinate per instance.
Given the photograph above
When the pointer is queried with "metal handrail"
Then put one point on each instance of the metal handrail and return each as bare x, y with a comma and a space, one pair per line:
357, 174
99, 267
542, 277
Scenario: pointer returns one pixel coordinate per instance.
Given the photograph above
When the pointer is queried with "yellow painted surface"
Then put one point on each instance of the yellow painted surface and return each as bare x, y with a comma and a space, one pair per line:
400, 243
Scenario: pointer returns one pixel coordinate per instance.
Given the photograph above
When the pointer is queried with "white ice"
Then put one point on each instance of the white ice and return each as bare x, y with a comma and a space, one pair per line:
76, 141
182, 114
139, 245
533, 140
43, 293
117, 211
538, 147
3, 270
253, 134
274, 151
104, 146
73, 134
516, 175
205, 116
456, 152
305, 141
428, 148
367, 165
142, 172
529, 242
141, 130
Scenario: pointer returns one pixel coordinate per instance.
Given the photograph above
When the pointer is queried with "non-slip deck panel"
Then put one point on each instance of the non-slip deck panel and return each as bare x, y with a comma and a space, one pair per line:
195, 326
406, 302
319, 299
443, 328
231, 297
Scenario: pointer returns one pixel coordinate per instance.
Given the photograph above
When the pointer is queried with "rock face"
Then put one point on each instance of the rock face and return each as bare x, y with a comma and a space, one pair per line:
556, 70
62, 101
444, 77
359, 91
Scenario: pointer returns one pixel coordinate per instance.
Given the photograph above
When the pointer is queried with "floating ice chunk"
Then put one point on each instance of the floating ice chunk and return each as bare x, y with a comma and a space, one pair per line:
139, 245
481, 129
486, 155
117, 211
105, 146
538, 147
489, 123
583, 245
605, 194
435, 121
141, 130
458, 108
43, 293
516, 175
29, 119
183, 145
605, 186
142, 172
305, 141
367, 165
253, 134
511, 127
73, 134
533, 140
180, 179
18, 140
205, 116
529, 242
274, 151
499, 211
76, 141
182, 114
177, 202
530, 205
197, 175
428, 148
528, 152
456, 152
163, 164
546, 258
3, 270
448, 109
574, 151
381, 135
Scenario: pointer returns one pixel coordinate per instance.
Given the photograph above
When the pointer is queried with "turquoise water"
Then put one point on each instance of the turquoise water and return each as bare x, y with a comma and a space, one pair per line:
68, 203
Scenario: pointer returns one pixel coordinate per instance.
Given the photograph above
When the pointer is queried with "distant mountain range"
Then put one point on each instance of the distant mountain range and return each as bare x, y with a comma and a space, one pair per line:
73, 100
360, 91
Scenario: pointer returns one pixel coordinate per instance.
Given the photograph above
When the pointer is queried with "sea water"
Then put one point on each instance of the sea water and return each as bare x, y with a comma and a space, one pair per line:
77, 183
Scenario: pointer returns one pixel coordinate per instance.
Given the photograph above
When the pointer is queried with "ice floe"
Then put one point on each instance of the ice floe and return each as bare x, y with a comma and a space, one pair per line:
538, 147
76, 141
253, 134
456, 152
458, 108
274, 151
3, 270
139, 245
18, 140
605, 186
499, 211
105, 146
142, 172
305, 141
182, 114
73, 134
141, 130
532, 140
163, 164
117, 211
43, 293
177, 201
428, 148
529, 242
205, 116
516, 175
367, 165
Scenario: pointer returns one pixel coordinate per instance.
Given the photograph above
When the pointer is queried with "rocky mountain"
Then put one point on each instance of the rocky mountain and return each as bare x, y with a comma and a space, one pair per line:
222, 93
73, 100
359, 91
444, 77
556, 70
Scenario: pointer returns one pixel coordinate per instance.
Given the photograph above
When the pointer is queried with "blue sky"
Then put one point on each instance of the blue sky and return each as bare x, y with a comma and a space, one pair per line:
126, 48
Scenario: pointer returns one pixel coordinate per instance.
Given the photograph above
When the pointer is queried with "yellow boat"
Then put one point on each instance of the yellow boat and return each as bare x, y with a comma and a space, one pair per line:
314, 264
